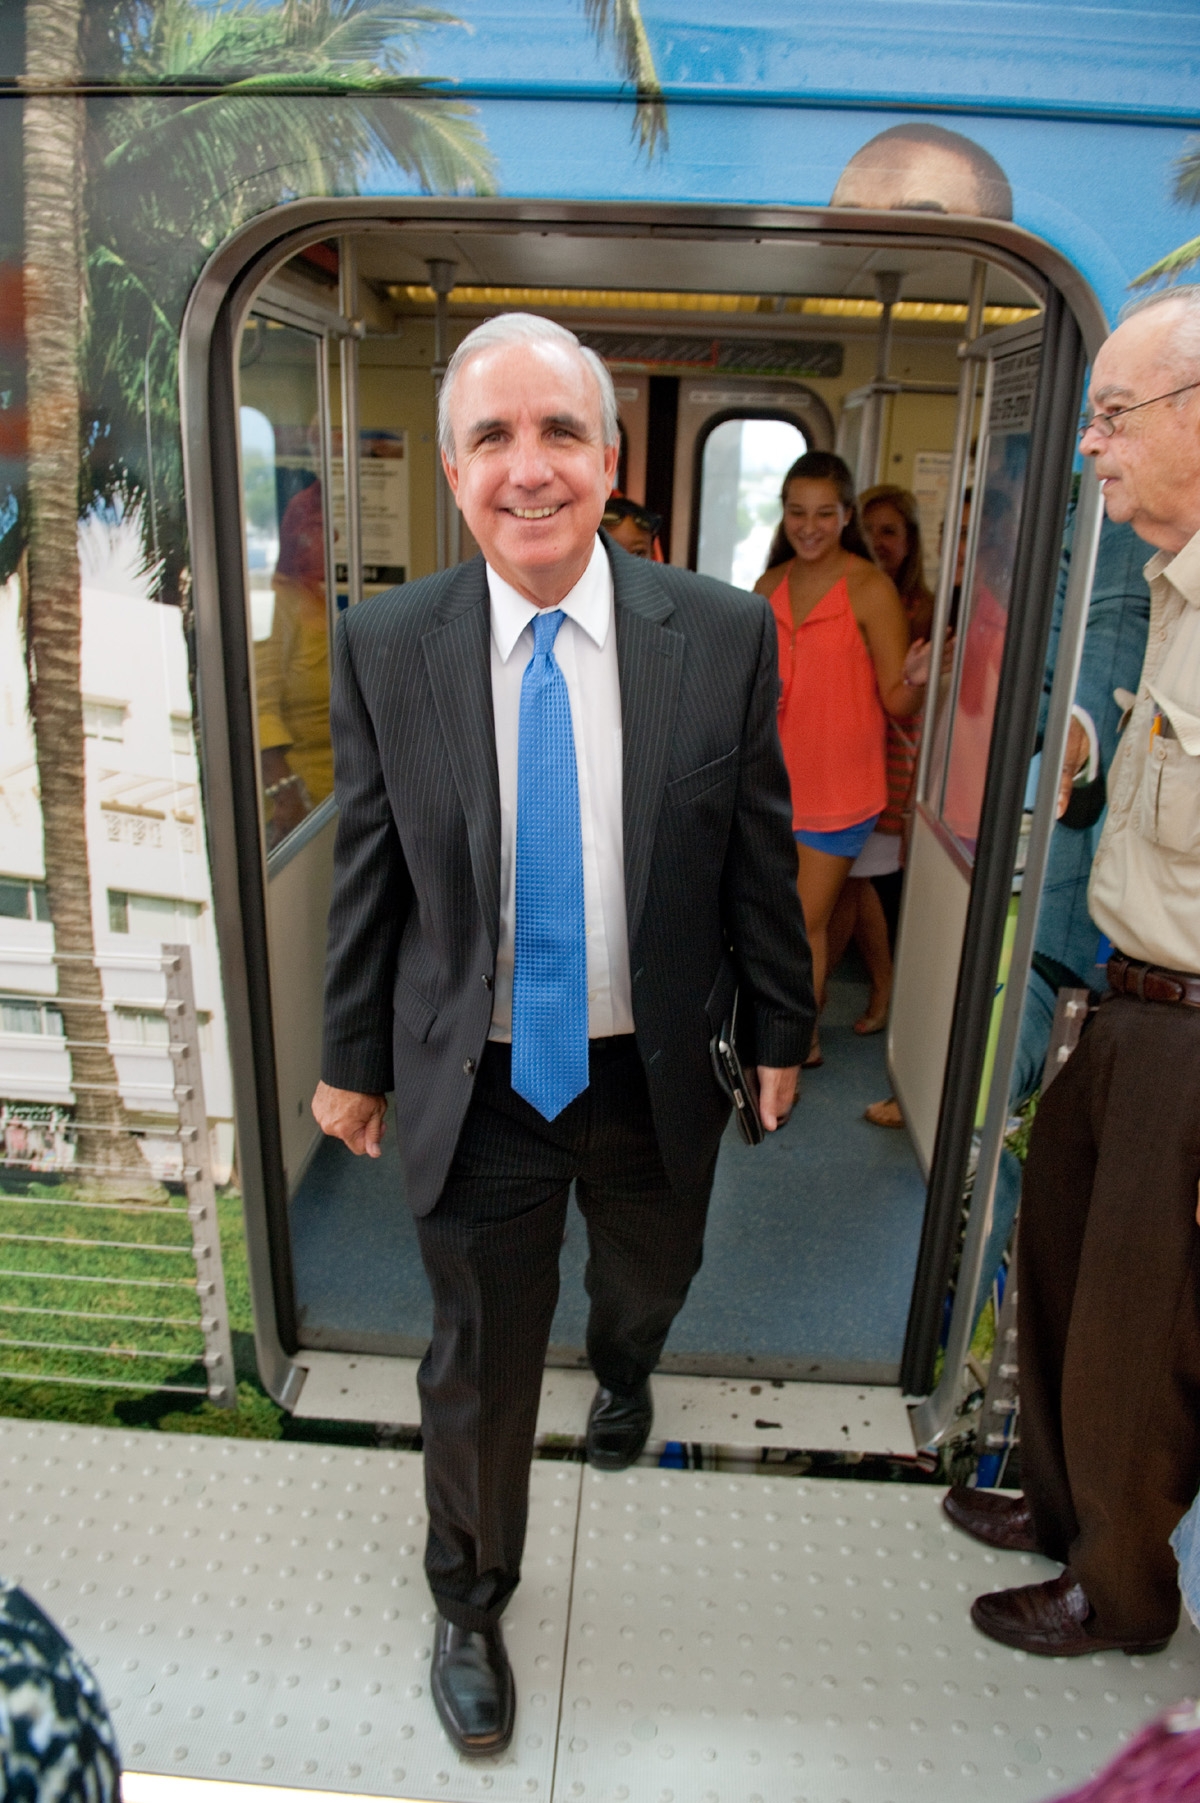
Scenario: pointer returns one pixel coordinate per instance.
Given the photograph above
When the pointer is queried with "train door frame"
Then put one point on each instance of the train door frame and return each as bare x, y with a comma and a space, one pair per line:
912, 1060
222, 298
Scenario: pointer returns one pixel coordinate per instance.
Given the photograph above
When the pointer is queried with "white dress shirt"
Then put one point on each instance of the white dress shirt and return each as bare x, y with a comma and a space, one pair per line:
586, 653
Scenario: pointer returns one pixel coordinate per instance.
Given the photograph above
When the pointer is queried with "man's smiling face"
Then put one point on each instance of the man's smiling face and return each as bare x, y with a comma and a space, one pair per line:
532, 471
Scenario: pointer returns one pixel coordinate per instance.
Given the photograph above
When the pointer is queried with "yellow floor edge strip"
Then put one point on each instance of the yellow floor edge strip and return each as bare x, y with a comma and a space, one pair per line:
157, 1787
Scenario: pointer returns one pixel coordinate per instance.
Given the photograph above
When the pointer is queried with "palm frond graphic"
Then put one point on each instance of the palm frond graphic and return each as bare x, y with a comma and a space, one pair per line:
1184, 256
620, 23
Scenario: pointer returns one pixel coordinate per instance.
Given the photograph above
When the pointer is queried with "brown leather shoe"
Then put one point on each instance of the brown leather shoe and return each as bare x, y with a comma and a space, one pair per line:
1048, 1619
990, 1516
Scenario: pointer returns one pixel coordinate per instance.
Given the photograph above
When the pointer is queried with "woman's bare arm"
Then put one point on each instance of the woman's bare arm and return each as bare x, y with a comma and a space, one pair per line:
884, 625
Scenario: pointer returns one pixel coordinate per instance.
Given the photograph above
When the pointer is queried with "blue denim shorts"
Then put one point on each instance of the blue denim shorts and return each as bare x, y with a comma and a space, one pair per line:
845, 844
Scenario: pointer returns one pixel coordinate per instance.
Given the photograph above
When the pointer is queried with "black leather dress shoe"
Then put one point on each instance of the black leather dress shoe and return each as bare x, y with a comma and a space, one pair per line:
1052, 1620
473, 1689
618, 1428
990, 1516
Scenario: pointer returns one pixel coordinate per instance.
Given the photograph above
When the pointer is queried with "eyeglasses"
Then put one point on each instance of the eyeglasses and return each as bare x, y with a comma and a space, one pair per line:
1105, 423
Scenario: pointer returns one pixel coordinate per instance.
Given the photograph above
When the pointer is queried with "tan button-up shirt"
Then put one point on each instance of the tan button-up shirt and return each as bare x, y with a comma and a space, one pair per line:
1145, 885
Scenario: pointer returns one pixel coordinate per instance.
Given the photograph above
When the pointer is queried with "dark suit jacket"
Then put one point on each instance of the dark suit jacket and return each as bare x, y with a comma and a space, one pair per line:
710, 861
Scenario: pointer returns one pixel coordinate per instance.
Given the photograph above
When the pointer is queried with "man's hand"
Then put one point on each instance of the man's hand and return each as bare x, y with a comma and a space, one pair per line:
776, 1094
355, 1119
1077, 754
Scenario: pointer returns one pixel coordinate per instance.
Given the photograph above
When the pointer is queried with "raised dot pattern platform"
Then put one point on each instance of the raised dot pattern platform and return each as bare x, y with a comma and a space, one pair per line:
257, 1613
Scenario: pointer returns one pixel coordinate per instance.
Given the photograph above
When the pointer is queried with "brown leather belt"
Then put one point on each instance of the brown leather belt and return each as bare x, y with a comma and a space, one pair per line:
1150, 983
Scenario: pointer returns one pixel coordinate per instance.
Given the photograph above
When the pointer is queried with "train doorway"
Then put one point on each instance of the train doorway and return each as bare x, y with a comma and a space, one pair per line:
731, 352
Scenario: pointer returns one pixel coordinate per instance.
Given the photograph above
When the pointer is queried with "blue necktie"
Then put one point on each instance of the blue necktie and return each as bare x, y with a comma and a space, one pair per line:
550, 997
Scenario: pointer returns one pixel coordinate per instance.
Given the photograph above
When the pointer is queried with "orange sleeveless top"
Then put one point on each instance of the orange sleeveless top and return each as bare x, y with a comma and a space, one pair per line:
831, 720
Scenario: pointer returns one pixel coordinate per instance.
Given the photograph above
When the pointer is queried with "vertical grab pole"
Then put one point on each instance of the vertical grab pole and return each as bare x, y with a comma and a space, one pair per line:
348, 290
887, 290
964, 420
325, 429
441, 280
198, 1178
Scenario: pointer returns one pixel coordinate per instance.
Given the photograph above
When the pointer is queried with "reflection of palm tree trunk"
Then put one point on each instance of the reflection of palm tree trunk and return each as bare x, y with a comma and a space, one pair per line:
53, 144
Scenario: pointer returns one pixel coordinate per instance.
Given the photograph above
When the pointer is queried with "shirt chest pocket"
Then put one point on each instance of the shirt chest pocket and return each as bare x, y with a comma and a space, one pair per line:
1171, 796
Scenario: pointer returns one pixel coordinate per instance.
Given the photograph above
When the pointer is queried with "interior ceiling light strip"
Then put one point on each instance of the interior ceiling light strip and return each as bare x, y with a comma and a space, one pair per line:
637, 300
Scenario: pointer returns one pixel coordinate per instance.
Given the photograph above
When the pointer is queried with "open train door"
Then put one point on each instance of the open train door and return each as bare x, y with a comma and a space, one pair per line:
1018, 400
999, 382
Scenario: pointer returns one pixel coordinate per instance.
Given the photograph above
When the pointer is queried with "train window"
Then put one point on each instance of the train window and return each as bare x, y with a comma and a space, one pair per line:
742, 466
996, 508
281, 419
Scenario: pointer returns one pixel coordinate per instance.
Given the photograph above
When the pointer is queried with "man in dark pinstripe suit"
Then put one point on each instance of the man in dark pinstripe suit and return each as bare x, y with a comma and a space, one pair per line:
684, 887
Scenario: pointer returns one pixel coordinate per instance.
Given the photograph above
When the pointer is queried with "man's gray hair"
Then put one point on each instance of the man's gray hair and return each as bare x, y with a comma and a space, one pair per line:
1183, 348
523, 328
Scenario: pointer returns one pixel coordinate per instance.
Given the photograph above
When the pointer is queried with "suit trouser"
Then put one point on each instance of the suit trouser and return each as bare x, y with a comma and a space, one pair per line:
1108, 1311
491, 1251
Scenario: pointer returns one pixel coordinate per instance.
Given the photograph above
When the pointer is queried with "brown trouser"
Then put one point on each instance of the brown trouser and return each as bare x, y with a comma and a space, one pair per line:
1108, 1311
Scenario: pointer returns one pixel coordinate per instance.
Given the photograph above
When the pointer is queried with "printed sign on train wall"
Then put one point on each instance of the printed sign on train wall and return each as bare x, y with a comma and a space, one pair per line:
383, 498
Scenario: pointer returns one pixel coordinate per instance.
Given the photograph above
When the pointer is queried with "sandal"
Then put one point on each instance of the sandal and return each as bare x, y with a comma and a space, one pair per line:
884, 1114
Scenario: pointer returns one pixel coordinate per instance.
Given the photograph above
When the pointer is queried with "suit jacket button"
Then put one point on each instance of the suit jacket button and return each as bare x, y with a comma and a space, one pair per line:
469, 1066
487, 981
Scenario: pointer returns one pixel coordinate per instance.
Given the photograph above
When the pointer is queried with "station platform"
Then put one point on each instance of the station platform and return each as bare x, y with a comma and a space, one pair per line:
256, 1615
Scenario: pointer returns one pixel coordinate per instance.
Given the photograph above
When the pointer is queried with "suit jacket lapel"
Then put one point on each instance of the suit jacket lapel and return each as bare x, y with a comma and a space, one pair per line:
458, 657
650, 661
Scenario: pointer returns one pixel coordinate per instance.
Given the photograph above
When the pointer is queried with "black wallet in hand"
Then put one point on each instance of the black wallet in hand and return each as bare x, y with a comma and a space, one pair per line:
738, 1084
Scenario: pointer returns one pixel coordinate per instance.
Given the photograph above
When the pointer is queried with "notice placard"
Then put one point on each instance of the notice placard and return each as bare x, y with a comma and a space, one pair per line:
383, 508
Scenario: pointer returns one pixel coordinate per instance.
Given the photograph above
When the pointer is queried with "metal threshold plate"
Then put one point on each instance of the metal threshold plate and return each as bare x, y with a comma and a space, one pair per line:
714, 1411
256, 1615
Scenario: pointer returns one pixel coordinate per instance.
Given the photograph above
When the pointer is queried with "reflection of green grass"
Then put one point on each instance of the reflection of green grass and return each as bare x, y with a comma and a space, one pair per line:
55, 1311
99, 1402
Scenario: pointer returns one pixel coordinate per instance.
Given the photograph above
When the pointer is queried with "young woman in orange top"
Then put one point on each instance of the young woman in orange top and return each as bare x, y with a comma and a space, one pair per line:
845, 663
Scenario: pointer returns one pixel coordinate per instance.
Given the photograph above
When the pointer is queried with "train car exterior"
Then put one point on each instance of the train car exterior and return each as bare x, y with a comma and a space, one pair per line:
165, 159
238, 240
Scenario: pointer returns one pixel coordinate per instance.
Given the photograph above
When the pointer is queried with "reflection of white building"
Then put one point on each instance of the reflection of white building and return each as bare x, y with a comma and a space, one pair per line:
146, 850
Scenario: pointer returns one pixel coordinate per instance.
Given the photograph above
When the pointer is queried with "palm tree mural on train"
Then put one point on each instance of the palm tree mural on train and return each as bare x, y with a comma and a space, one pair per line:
101, 382
275, 98
1185, 256
314, 94
54, 272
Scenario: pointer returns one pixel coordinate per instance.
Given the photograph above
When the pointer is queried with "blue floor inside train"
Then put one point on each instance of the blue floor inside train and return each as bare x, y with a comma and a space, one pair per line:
809, 1257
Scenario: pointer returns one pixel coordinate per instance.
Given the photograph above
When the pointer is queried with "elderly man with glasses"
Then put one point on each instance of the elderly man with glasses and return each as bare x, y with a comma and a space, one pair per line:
1109, 1261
